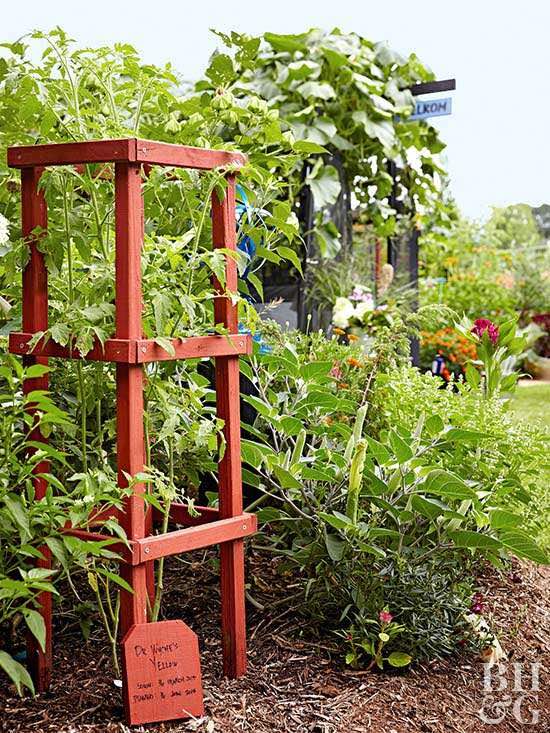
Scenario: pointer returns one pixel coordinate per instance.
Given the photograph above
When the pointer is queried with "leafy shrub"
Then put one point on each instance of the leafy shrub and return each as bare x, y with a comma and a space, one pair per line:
31, 529
413, 494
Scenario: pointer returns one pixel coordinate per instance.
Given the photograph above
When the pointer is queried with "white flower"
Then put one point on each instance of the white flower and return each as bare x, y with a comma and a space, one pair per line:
364, 307
342, 312
4, 230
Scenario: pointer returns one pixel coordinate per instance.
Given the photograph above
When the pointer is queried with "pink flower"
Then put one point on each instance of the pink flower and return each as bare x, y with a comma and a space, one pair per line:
477, 605
336, 372
385, 617
484, 324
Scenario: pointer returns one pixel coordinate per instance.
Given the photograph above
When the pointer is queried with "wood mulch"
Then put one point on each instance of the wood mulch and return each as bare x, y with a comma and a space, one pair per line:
300, 686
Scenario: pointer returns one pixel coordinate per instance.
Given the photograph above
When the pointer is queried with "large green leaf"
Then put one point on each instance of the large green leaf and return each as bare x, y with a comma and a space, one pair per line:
443, 483
286, 42
399, 659
36, 625
335, 546
427, 507
402, 450
318, 90
18, 512
378, 450
286, 479
325, 186
474, 540
503, 519
521, 544
381, 130
16, 672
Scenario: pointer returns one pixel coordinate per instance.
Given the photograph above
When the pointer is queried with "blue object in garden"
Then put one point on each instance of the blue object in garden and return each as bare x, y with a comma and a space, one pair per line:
245, 244
438, 364
425, 108
257, 338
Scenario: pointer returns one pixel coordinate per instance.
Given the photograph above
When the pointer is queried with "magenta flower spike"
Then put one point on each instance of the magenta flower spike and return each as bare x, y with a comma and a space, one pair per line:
484, 324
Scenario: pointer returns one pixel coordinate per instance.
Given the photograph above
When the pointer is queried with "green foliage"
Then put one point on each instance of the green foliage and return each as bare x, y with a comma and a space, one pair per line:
75, 94
511, 460
29, 527
378, 488
490, 271
338, 97
512, 227
398, 481
497, 351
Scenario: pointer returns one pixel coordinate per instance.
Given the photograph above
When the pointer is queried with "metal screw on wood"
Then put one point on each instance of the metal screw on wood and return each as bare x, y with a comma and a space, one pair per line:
147, 550
144, 349
21, 346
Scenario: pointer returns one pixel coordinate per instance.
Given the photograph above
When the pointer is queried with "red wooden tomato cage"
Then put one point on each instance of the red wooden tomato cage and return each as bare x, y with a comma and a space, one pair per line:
226, 526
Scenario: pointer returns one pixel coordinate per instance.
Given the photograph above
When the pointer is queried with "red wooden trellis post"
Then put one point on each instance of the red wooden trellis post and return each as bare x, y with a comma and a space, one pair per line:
34, 221
227, 526
129, 378
230, 485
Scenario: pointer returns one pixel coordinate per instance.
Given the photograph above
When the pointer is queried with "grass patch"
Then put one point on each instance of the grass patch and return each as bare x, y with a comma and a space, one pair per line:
531, 403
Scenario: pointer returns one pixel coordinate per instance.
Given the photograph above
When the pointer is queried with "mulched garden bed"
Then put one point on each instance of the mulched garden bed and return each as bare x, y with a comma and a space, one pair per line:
296, 685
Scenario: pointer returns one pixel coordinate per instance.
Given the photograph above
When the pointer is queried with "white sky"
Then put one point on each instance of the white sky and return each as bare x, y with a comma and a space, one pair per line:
499, 51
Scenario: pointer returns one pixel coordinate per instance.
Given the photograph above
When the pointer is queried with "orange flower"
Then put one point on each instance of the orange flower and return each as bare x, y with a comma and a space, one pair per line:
343, 385
352, 337
338, 331
353, 362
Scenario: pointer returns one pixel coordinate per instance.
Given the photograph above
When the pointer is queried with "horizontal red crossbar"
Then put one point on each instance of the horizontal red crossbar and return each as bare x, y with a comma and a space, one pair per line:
120, 350
193, 538
131, 150
172, 543
195, 347
137, 351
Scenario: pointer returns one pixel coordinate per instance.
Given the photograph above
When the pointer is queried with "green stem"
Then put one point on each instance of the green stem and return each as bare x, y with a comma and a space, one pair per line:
79, 367
166, 518
105, 619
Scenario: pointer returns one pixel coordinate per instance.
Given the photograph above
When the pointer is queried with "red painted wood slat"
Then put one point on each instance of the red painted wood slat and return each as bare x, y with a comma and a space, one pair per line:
94, 151
113, 350
128, 150
34, 215
229, 474
129, 378
195, 347
183, 156
136, 351
193, 538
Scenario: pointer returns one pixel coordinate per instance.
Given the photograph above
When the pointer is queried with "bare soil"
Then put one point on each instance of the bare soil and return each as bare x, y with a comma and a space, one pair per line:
303, 687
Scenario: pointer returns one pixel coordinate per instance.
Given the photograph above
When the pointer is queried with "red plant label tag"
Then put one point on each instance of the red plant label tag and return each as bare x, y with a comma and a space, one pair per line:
162, 673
